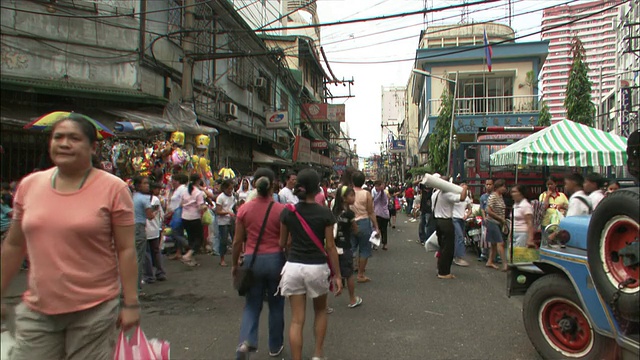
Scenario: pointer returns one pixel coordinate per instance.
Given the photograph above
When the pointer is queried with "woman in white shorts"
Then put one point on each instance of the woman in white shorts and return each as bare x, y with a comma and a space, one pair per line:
306, 272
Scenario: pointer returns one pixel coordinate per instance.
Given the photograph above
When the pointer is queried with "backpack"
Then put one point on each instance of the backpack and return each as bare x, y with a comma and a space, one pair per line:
587, 202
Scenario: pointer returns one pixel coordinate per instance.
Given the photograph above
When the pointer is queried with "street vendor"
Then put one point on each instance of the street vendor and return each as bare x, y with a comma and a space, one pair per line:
554, 202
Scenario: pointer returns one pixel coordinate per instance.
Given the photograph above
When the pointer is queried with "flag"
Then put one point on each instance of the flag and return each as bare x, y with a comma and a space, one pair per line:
488, 52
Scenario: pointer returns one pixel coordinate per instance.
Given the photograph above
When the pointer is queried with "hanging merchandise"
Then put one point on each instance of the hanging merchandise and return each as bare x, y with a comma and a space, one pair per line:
177, 137
202, 141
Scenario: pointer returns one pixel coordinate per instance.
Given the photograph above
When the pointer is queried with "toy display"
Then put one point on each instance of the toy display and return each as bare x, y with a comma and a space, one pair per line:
158, 158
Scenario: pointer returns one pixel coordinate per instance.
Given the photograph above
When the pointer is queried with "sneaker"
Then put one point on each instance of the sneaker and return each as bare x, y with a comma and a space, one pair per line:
329, 310
413, 220
460, 262
243, 350
276, 353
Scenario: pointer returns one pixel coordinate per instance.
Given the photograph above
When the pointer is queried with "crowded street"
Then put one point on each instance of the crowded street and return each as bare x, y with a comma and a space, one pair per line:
320, 180
407, 313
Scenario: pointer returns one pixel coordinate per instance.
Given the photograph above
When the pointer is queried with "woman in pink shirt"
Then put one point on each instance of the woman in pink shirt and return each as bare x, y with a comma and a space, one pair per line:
193, 206
77, 224
267, 267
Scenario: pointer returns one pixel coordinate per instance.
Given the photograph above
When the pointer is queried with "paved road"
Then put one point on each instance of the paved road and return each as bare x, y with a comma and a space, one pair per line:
407, 312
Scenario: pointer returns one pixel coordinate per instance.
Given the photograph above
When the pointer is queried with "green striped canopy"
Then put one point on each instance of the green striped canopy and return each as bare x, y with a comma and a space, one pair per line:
565, 143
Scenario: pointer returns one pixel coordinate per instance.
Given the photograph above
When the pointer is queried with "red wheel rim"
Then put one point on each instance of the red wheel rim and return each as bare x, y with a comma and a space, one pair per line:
566, 327
619, 232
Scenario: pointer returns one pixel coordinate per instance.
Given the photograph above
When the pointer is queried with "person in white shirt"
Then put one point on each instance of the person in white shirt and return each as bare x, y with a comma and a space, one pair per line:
179, 185
153, 228
226, 217
593, 185
443, 203
286, 194
579, 202
461, 209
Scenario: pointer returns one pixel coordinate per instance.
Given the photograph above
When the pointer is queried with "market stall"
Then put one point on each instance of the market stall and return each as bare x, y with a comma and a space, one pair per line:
565, 143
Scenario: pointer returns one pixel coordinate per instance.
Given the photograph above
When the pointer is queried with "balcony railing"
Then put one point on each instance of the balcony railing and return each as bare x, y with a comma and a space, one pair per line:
516, 104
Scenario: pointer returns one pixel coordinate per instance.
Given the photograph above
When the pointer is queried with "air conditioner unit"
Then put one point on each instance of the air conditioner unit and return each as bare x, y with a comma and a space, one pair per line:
259, 82
231, 110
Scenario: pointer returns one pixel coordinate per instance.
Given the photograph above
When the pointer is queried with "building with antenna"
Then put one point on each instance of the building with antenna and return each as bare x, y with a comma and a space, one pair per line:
594, 25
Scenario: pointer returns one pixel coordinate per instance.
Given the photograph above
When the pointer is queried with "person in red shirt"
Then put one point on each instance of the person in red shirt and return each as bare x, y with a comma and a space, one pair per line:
409, 196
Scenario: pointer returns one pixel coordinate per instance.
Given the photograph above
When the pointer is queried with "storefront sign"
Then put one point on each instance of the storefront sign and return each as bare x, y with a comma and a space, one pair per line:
277, 120
625, 107
302, 153
319, 145
398, 146
302, 150
322, 112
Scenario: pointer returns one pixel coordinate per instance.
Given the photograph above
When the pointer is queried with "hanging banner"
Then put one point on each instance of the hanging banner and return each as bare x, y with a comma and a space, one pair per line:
277, 120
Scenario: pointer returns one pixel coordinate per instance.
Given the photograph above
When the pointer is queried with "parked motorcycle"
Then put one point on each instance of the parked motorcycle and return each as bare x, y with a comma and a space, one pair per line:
473, 233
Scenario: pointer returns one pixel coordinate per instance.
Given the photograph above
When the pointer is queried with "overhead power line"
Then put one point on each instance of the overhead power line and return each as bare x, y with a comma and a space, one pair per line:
383, 17
482, 46
110, 16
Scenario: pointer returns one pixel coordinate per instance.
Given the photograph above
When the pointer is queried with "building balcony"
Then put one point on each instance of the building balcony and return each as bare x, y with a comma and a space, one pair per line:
515, 104
474, 113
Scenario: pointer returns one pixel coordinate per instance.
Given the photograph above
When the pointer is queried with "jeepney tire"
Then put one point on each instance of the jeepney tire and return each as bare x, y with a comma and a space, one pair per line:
624, 205
555, 291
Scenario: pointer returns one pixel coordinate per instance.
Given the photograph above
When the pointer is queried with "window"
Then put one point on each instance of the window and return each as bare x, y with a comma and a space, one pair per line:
284, 101
174, 22
239, 68
264, 92
495, 97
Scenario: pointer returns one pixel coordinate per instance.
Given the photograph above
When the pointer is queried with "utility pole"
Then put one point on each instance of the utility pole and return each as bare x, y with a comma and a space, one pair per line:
188, 46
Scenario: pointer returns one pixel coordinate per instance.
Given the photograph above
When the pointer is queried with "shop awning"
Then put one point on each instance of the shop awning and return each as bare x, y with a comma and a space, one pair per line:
565, 143
262, 158
139, 120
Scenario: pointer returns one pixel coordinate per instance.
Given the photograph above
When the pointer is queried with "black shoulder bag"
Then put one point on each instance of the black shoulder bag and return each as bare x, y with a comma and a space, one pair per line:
244, 278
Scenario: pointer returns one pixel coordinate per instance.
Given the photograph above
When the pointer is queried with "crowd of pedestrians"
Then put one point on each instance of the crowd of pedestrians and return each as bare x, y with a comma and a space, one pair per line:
304, 240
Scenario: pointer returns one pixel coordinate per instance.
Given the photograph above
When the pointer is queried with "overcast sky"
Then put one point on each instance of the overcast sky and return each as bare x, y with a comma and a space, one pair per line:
395, 39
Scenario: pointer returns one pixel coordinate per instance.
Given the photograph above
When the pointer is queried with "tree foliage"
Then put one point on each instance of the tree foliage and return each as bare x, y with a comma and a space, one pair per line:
544, 117
419, 171
439, 141
577, 99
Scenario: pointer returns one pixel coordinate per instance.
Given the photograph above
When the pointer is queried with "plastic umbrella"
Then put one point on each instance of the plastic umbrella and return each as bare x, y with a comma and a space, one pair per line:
45, 122
227, 173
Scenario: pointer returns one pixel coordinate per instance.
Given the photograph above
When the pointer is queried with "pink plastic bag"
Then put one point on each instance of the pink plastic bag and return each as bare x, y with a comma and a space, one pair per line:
139, 348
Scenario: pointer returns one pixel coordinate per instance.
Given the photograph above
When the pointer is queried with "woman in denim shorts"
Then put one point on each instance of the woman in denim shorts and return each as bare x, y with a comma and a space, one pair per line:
307, 272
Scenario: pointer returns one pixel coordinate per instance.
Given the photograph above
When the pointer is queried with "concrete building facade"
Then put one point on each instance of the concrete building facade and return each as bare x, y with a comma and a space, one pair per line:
594, 25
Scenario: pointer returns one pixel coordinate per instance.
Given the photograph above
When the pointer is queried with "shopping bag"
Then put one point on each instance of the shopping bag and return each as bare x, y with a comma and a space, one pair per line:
432, 243
6, 343
207, 217
375, 238
161, 349
139, 348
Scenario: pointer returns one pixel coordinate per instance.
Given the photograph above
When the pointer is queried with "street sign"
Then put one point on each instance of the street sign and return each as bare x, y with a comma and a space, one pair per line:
398, 146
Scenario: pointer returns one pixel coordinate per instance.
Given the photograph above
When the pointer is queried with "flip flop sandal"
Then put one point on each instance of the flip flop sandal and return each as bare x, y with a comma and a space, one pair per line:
356, 304
363, 280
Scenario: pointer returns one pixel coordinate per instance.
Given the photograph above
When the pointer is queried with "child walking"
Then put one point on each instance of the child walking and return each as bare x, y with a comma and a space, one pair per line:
346, 225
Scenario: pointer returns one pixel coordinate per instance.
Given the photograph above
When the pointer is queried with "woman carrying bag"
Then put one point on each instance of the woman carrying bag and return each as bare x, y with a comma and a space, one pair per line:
312, 262
258, 227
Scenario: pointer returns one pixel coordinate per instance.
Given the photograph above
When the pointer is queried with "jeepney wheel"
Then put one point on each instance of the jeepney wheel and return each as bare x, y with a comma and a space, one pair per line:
612, 249
557, 325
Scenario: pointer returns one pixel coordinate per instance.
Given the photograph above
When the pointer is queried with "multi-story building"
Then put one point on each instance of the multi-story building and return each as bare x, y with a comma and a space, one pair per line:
393, 113
504, 97
162, 63
593, 24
